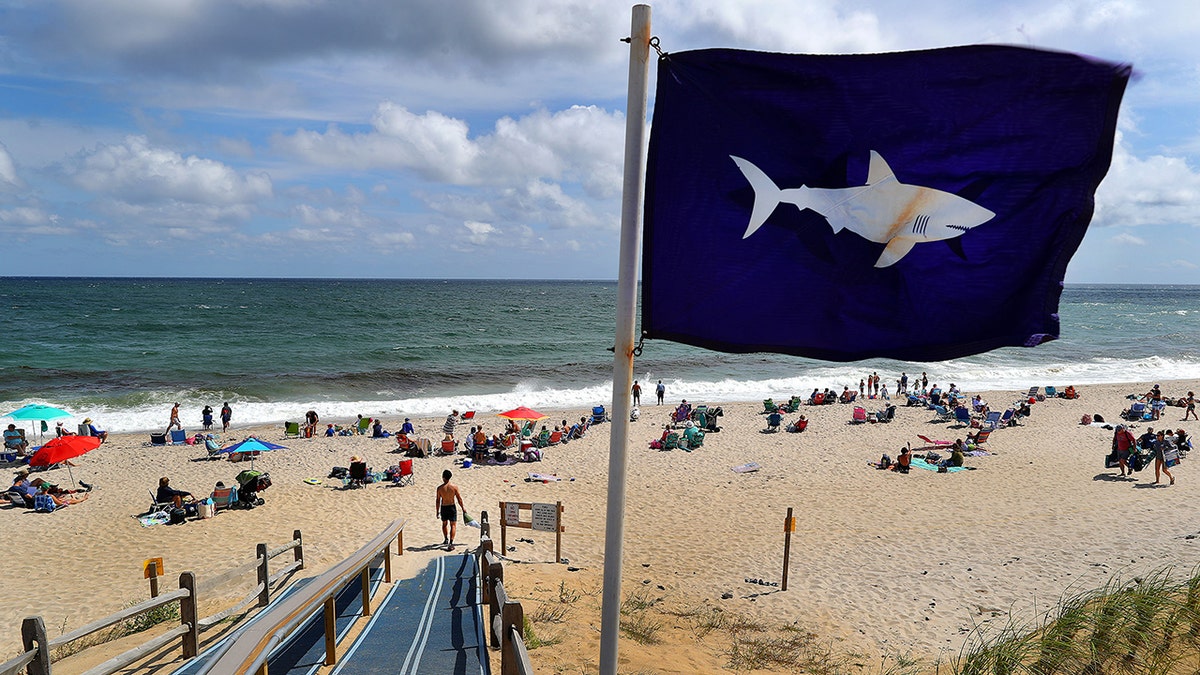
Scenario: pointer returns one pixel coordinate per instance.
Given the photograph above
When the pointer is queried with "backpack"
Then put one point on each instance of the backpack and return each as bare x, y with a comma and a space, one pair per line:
178, 516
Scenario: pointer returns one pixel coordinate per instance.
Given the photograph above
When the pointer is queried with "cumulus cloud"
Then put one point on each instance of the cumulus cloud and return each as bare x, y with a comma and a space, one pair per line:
25, 220
1151, 190
583, 144
135, 171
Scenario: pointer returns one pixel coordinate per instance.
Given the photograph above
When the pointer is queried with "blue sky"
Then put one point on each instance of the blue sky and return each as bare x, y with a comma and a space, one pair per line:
363, 138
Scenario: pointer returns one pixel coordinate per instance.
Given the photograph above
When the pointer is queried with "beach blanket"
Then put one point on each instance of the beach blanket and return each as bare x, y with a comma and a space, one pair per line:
543, 477
153, 519
977, 453
919, 463
746, 468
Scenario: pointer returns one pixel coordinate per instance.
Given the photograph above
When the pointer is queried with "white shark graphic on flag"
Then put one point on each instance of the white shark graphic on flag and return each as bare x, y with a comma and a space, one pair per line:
884, 210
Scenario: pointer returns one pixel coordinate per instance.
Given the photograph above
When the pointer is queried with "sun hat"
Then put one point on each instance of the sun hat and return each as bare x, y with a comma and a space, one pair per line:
87, 420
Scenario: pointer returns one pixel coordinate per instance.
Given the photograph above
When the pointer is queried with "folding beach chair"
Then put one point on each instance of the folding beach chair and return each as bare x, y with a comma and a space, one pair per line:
291, 430
962, 416
941, 414
358, 475
1033, 392
773, 421
991, 421
178, 437
769, 406
361, 427
1051, 392
224, 498
860, 415
405, 477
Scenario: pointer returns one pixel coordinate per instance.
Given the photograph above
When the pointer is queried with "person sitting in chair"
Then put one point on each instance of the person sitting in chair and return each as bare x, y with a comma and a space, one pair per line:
102, 435
14, 440
169, 495
904, 461
60, 430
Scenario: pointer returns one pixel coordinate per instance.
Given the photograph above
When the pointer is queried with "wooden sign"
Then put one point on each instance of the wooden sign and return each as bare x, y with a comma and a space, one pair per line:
543, 518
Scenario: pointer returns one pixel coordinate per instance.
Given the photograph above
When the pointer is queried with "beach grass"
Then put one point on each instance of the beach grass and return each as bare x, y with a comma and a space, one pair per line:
1148, 625
135, 624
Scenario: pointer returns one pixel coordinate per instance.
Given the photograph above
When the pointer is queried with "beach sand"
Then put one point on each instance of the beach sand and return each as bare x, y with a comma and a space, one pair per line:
881, 562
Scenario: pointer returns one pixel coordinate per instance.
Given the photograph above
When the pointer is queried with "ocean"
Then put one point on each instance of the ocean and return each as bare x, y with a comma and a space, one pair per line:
121, 351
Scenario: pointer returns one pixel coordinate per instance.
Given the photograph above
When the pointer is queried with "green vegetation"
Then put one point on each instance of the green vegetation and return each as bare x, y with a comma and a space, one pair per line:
136, 624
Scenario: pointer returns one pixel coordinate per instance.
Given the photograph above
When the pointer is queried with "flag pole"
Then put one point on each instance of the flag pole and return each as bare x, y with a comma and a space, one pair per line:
631, 235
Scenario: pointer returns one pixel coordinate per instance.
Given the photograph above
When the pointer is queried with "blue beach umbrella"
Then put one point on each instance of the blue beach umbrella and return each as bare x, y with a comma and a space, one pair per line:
253, 446
37, 412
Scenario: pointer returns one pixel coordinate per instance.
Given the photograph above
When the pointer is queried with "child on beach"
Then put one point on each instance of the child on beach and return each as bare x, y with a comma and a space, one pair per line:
226, 416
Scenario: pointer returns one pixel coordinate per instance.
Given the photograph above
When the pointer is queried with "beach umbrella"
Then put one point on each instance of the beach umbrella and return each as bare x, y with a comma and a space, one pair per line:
62, 449
522, 413
253, 446
37, 412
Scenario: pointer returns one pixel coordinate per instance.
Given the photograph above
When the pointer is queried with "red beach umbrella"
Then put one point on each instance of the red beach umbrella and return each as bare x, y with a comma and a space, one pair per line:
522, 413
63, 448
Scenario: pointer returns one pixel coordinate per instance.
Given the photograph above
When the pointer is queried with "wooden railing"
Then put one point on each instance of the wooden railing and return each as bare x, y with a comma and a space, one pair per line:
247, 650
506, 617
38, 646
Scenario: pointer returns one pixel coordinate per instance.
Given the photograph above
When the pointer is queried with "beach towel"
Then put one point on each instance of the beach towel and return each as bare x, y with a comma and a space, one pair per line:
748, 467
159, 518
543, 477
977, 453
920, 463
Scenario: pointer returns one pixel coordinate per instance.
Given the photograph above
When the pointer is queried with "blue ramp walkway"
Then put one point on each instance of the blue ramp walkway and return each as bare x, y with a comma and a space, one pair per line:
429, 624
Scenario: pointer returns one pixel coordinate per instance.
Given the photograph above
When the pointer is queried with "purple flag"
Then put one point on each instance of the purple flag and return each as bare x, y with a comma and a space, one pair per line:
915, 205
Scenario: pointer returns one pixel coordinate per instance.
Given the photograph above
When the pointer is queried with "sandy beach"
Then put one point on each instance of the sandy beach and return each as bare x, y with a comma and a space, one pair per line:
881, 562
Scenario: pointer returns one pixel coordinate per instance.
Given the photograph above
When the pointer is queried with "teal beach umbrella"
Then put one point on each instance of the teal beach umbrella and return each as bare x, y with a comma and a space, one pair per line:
253, 446
35, 412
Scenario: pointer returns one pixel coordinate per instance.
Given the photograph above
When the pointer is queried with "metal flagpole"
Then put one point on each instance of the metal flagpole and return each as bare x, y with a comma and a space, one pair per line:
631, 235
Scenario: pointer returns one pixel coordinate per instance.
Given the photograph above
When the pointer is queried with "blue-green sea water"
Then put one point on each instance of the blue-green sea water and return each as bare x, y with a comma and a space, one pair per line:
122, 350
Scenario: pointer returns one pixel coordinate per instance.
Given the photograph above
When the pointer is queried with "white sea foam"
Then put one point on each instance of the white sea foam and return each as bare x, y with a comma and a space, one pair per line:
969, 375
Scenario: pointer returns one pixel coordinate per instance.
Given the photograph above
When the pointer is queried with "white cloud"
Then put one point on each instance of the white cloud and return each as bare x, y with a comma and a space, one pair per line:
30, 220
1126, 239
582, 144
1153, 190
8, 170
137, 172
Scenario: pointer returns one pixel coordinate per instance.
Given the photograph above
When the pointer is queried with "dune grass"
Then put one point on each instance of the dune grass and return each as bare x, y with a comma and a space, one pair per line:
1146, 626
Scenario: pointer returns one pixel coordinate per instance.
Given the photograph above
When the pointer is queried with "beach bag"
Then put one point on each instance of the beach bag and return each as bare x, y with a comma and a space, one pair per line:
1137, 461
177, 516
43, 503
205, 509
1170, 457
1111, 461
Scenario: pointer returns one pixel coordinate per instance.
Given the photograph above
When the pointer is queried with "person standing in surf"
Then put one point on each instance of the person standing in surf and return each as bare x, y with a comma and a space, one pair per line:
226, 416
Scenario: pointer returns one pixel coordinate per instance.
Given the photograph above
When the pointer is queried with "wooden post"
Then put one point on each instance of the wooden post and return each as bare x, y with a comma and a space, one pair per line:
485, 527
366, 591
33, 636
189, 616
789, 524
264, 576
558, 528
503, 529
511, 616
387, 563
330, 632
400, 542
153, 572
298, 552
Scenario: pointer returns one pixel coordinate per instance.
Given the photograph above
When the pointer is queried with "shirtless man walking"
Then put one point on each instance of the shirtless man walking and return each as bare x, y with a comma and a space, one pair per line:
447, 494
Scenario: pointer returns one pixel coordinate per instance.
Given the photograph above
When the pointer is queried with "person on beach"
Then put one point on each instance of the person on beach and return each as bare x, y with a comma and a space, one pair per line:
903, 387
637, 393
660, 391
13, 440
92, 430
1161, 445
174, 419
226, 416
407, 427
924, 380
1191, 406
207, 417
448, 426
60, 498
310, 423
60, 430
1123, 444
169, 495
447, 495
